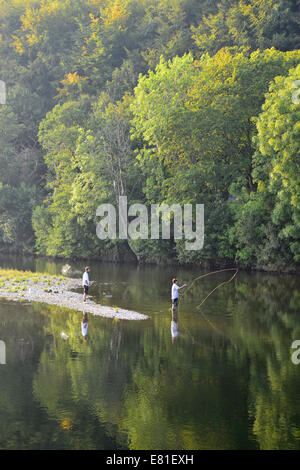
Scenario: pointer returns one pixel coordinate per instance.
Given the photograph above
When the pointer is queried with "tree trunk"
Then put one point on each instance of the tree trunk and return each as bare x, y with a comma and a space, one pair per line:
138, 257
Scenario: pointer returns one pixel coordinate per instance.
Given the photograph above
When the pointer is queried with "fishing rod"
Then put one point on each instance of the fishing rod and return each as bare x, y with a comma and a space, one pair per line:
211, 292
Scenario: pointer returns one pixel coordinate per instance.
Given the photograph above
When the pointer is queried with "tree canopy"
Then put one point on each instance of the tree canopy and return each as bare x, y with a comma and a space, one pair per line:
162, 101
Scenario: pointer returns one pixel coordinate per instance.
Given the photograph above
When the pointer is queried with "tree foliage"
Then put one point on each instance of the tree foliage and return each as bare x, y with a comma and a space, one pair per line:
268, 225
157, 100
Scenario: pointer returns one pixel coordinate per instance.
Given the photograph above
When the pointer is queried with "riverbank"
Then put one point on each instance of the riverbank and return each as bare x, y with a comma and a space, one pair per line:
20, 286
205, 264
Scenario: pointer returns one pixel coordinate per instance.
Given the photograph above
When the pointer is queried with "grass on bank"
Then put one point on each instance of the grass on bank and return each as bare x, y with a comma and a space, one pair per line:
15, 278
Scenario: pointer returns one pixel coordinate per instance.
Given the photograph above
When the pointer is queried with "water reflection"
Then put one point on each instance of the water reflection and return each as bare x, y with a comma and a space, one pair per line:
84, 325
232, 385
174, 324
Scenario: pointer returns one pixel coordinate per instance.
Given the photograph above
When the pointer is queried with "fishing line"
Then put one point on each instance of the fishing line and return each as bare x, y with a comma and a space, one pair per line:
222, 284
210, 293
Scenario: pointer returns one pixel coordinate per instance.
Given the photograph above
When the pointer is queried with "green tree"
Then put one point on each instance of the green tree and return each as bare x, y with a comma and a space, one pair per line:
55, 221
250, 23
195, 118
268, 224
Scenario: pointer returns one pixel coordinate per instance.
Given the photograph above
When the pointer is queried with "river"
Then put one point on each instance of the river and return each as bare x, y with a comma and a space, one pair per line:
219, 377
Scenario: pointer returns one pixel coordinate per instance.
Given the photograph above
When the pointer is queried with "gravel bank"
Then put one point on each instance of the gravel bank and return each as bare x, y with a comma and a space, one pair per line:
55, 291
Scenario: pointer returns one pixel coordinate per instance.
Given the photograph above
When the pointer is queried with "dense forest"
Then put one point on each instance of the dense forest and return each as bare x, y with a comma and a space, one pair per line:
162, 101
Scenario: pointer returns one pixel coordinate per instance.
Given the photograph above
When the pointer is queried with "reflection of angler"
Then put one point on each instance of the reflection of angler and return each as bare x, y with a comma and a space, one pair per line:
84, 325
174, 327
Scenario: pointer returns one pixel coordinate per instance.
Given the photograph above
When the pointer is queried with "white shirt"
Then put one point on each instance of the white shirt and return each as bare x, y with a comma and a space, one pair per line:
174, 291
85, 279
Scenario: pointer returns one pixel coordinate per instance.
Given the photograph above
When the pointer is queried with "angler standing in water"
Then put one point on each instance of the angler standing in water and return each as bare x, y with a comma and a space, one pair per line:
174, 292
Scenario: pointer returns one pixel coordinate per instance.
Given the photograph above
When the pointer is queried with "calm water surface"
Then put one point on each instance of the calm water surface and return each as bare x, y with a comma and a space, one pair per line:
226, 381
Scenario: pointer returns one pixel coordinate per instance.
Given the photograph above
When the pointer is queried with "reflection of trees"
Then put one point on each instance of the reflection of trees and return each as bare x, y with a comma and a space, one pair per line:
270, 324
175, 406
142, 391
228, 383
83, 381
264, 324
22, 330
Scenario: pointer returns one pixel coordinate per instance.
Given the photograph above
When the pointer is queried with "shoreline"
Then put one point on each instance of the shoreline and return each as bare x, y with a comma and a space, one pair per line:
203, 264
55, 290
